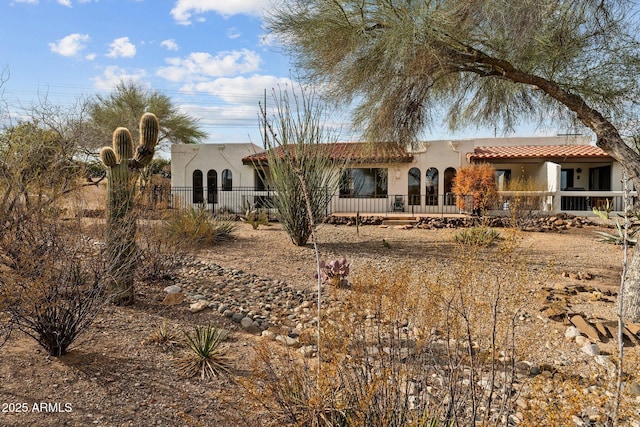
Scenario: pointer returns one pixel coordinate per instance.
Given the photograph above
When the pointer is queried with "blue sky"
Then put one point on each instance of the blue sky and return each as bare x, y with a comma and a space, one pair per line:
213, 58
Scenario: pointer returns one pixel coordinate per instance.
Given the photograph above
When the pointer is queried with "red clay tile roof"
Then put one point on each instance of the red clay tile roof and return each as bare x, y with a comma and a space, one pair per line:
354, 152
537, 151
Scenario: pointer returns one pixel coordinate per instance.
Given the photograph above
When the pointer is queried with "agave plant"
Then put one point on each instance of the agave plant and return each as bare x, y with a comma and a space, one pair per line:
618, 239
334, 272
255, 217
208, 356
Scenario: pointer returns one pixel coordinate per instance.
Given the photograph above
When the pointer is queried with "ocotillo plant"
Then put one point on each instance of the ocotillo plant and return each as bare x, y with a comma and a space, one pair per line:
122, 171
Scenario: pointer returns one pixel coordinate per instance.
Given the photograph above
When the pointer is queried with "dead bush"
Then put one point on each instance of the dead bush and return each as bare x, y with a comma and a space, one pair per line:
427, 345
52, 286
159, 256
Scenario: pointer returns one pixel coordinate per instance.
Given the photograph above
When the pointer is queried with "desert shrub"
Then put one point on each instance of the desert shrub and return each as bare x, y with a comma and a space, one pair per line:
255, 217
334, 272
301, 167
294, 393
208, 355
430, 344
52, 286
479, 181
159, 257
619, 237
477, 235
196, 226
163, 337
524, 199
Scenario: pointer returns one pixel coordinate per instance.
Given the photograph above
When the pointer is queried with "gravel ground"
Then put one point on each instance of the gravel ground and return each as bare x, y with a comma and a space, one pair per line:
114, 377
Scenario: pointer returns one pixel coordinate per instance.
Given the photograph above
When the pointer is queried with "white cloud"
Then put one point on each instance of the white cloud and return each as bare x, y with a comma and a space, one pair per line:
27, 1
202, 65
121, 48
233, 33
112, 75
65, 2
70, 45
240, 90
170, 44
184, 10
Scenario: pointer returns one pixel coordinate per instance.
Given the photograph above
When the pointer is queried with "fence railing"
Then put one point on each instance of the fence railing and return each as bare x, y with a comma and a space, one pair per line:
235, 201
239, 199
414, 204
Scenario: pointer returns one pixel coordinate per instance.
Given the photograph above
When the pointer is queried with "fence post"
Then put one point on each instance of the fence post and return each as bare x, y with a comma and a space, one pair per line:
269, 203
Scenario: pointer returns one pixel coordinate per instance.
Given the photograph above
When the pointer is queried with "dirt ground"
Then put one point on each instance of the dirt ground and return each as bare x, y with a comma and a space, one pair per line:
113, 377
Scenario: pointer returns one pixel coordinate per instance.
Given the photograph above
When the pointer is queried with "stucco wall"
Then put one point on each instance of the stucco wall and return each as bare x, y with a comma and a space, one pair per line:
185, 159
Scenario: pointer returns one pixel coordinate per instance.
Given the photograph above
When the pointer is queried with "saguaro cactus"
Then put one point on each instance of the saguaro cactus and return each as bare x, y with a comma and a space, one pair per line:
123, 168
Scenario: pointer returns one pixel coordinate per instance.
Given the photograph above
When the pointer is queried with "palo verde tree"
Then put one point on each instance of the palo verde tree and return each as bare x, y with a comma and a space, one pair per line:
481, 62
36, 170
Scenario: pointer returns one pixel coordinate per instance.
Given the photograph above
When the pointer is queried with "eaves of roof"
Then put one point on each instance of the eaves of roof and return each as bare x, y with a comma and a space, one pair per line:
352, 152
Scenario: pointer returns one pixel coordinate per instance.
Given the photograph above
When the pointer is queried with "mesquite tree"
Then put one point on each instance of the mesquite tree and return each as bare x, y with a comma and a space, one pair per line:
476, 62
123, 167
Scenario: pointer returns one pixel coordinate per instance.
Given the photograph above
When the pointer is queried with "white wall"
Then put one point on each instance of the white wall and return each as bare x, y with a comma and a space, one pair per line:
186, 158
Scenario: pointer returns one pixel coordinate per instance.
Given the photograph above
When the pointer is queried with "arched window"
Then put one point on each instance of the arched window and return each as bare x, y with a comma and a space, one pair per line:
431, 188
227, 180
449, 176
414, 186
198, 190
212, 186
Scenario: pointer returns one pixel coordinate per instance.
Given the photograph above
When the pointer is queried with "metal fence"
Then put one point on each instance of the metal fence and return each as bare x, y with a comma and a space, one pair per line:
235, 201
402, 203
239, 199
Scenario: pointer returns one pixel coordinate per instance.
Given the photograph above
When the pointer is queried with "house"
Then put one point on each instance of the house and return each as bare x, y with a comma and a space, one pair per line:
570, 174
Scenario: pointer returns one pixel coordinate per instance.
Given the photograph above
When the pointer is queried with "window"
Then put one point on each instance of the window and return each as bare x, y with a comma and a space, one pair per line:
414, 186
198, 190
503, 177
600, 178
227, 180
212, 186
431, 189
364, 182
449, 176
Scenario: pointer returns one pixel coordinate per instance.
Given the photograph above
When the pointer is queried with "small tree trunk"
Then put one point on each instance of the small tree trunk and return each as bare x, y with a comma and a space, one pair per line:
631, 303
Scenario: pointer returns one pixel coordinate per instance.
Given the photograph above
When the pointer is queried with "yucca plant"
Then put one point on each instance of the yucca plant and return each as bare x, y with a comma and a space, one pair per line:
208, 356
163, 337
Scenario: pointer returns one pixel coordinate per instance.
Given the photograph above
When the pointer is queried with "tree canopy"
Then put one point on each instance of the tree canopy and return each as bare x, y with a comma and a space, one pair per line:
128, 102
476, 62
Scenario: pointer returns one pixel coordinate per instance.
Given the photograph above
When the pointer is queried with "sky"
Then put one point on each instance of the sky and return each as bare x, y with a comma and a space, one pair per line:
213, 58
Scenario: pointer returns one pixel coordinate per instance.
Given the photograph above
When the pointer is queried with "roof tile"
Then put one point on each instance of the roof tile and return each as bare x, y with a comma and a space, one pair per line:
536, 151
354, 152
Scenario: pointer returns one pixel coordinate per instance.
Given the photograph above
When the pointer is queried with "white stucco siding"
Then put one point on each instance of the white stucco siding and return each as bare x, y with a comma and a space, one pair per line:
185, 159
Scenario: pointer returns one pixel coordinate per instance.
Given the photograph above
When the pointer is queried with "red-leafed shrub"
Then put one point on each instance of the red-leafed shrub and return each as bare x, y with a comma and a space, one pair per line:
478, 181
